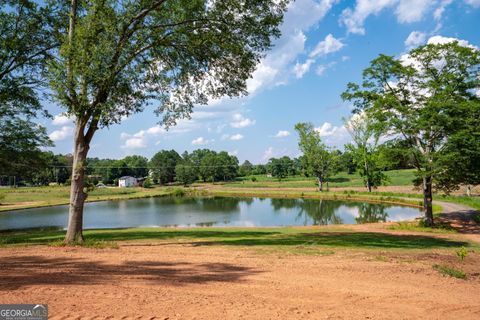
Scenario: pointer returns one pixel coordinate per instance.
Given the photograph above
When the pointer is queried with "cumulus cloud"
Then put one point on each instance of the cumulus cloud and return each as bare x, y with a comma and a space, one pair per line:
201, 141
233, 153
275, 69
444, 40
414, 39
320, 70
301, 68
61, 120
241, 122
271, 152
236, 137
412, 10
328, 45
142, 138
62, 134
333, 135
407, 11
282, 134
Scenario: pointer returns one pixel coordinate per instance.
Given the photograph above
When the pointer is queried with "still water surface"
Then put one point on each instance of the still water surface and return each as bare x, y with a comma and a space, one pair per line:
217, 211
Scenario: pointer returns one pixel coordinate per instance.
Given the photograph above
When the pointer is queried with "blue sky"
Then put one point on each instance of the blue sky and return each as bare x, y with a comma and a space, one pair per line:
324, 45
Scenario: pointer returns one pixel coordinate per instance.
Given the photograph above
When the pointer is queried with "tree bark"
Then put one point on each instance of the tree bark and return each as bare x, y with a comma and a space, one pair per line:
77, 195
469, 190
427, 200
369, 186
320, 184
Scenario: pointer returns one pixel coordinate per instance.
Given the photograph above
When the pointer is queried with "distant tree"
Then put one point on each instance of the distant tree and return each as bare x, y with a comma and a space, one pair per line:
226, 166
319, 160
259, 169
138, 165
115, 57
280, 168
346, 162
365, 149
396, 155
425, 100
162, 166
185, 173
246, 168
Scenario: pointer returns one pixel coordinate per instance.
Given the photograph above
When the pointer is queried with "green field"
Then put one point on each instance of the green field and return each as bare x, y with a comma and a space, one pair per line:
342, 179
56, 195
287, 237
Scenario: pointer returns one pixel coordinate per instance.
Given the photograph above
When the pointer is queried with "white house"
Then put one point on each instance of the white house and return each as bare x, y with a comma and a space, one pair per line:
127, 181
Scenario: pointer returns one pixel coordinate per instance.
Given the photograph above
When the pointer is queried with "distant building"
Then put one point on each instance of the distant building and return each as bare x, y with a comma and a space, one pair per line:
127, 181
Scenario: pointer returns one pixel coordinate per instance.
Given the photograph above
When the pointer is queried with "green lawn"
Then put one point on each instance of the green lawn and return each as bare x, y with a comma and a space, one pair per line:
57, 195
342, 179
250, 237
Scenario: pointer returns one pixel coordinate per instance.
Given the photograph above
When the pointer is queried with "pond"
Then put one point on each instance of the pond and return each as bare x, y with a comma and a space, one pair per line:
212, 211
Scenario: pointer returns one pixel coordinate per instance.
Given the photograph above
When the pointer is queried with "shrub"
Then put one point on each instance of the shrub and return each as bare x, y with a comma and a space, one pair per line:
462, 253
254, 179
147, 183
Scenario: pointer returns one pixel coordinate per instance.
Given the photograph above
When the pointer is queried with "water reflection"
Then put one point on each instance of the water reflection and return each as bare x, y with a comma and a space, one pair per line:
320, 212
207, 212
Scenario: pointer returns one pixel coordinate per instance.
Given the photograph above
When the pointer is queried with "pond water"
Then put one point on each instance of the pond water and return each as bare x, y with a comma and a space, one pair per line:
216, 211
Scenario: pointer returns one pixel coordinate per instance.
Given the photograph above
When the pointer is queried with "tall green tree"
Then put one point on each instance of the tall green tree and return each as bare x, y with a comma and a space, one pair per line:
424, 99
318, 159
162, 166
138, 165
365, 149
185, 172
25, 45
246, 168
117, 56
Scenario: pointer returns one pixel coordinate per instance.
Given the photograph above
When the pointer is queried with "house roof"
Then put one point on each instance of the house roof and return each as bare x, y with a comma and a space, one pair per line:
126, 177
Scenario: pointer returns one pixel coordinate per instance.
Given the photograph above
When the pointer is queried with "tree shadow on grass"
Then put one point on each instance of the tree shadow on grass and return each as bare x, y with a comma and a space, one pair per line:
243, 237
20, 271
345, 239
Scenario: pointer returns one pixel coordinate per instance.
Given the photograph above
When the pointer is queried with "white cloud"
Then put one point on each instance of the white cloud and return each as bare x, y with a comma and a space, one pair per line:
412, 10
333, 135
135, 143
61, 120
236, 137
407, 11
233, 153
438, 13
414, 39
240, 122
301, 69
282, 134
328, 45
142, 138
275, 68
321, 69
62, 134
444, 40
201, 141
271, 152
473, 3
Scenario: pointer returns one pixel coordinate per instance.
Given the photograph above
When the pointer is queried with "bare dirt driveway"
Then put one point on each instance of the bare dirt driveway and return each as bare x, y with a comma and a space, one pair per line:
190, 281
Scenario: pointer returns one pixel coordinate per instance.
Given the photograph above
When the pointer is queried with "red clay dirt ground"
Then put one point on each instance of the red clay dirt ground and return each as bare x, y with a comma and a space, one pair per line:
189, 281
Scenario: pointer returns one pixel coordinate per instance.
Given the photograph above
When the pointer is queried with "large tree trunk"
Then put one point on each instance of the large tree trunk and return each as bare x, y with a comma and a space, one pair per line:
77, 195
469, 190
427, 200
